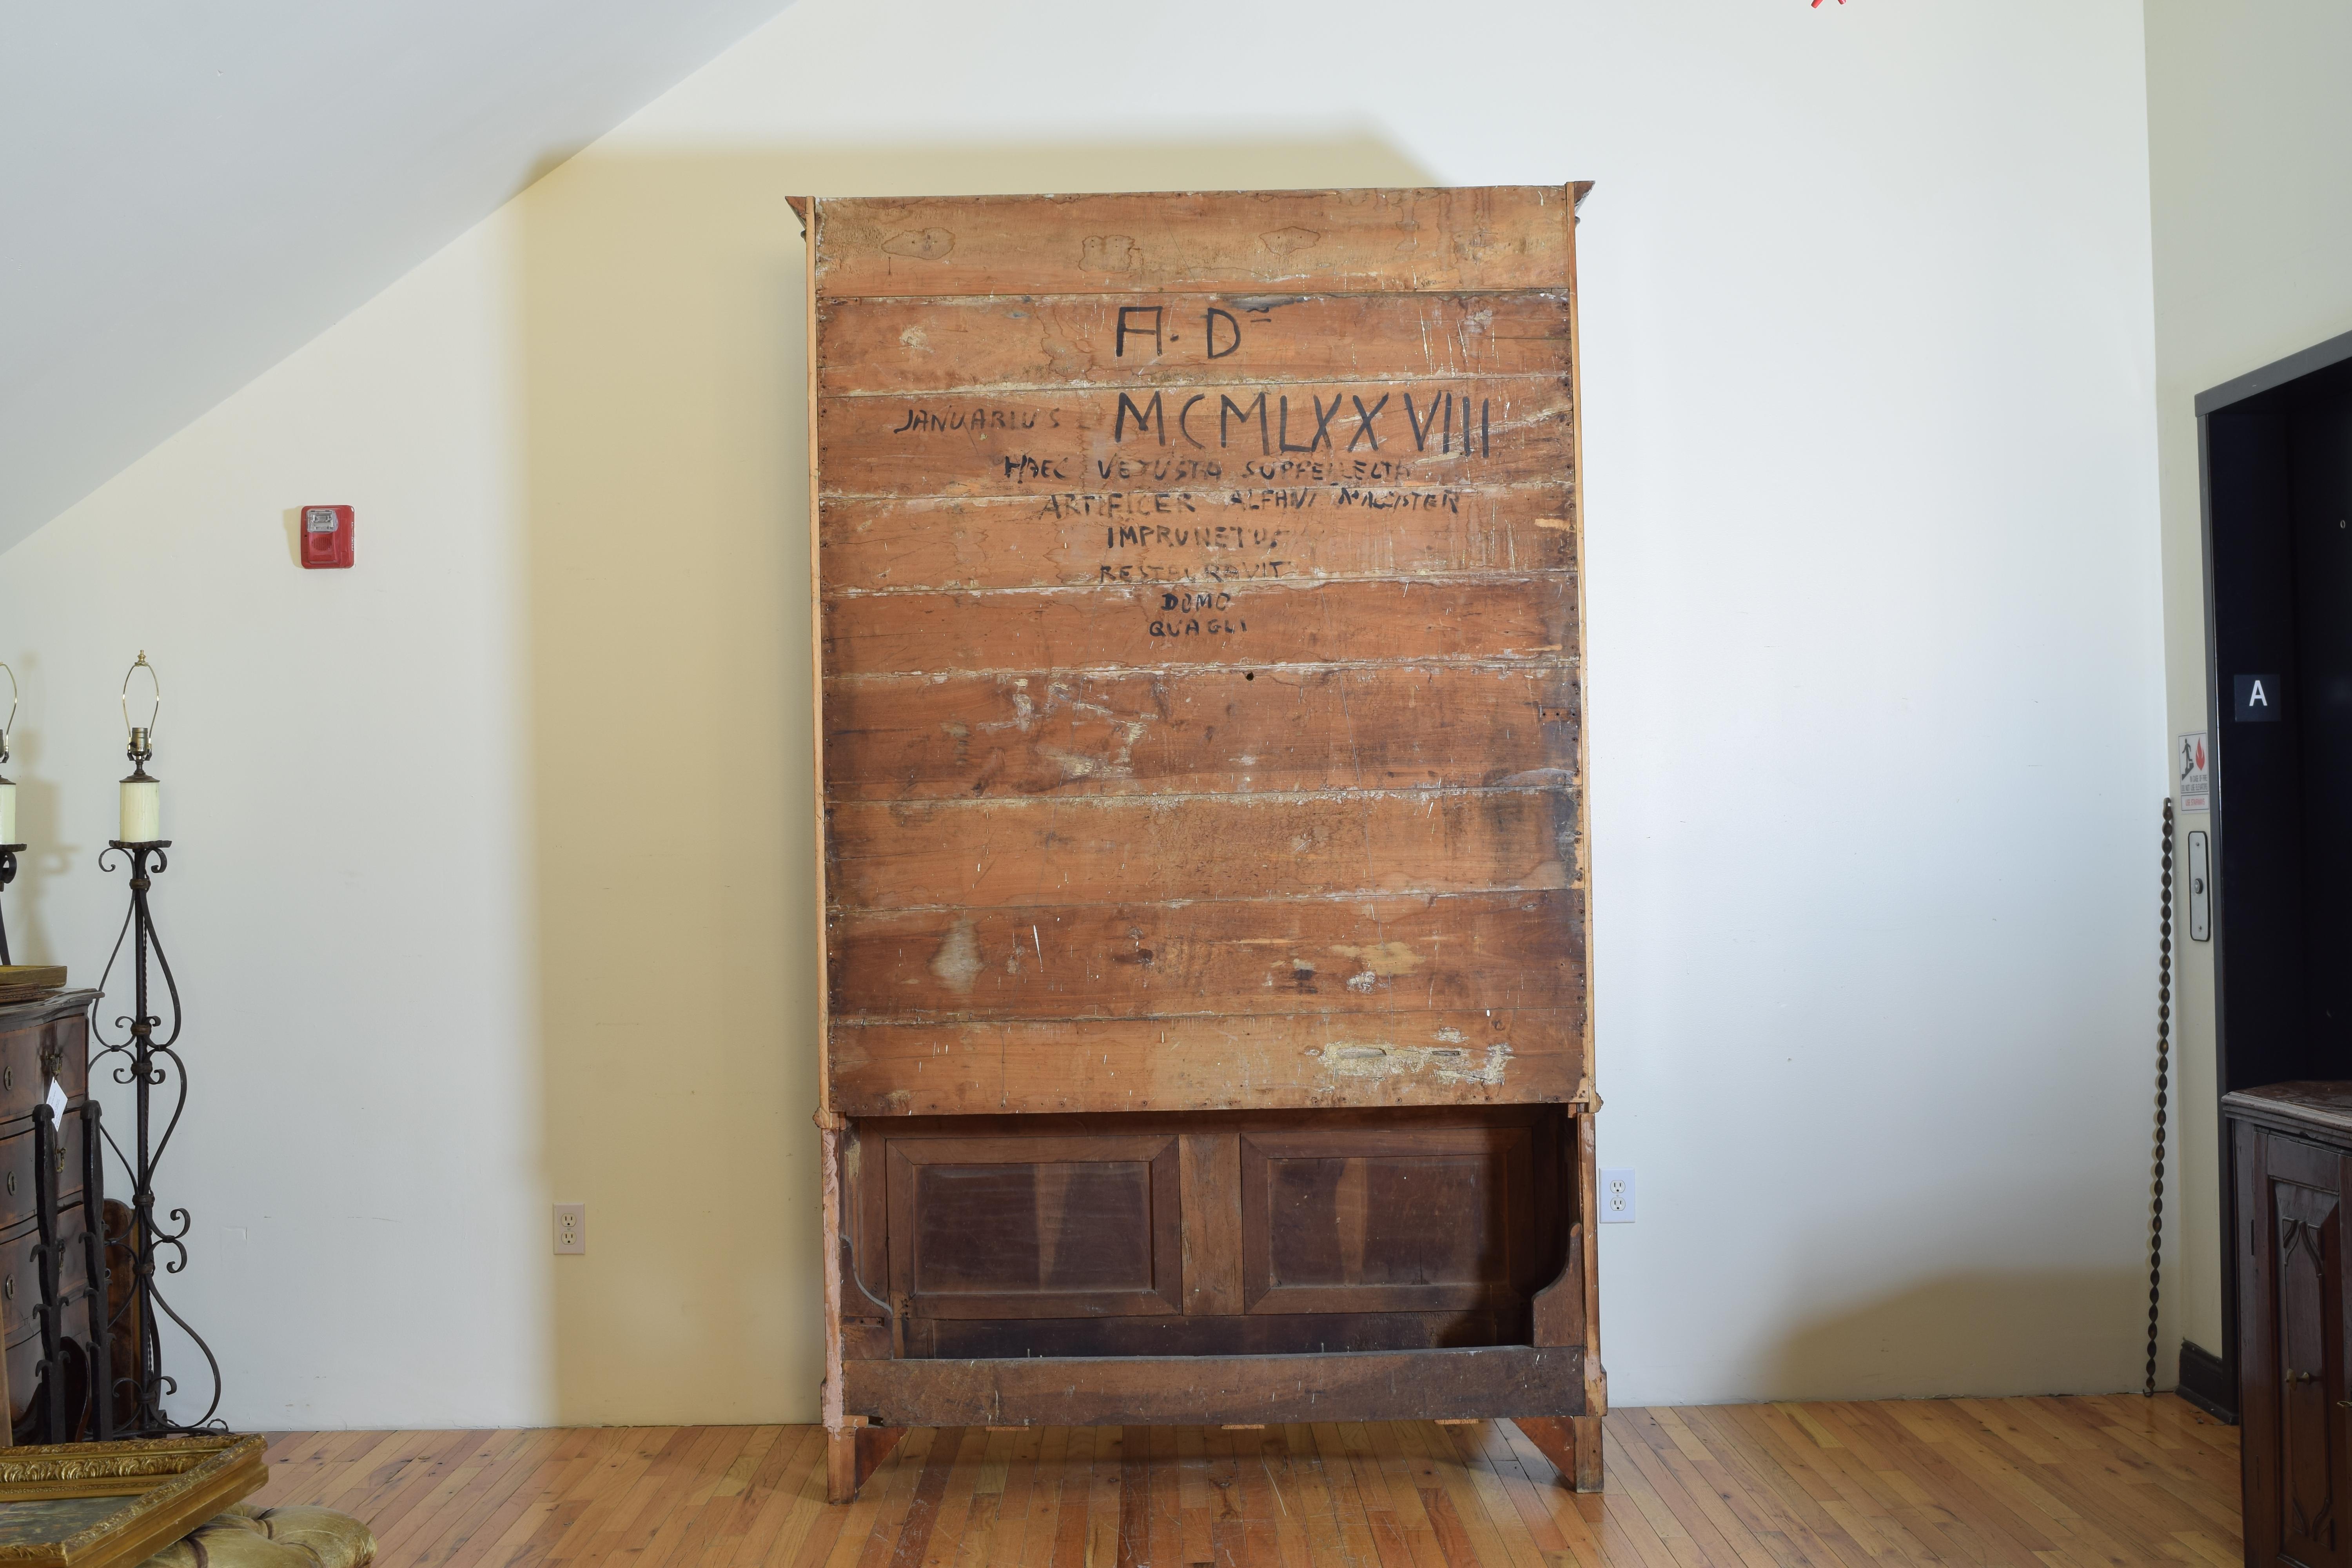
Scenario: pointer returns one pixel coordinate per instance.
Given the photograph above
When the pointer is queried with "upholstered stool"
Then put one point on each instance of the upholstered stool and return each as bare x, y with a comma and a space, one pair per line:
249, 1537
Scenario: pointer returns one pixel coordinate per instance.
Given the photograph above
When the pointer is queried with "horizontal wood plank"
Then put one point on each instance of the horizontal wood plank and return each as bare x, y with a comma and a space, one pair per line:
1286, 1333
1084, 538
1306, 1061
1371, 1385
1214, 730
895, 347
1511, 951
1128, 849
1377, 241
1361, 431
1239, 624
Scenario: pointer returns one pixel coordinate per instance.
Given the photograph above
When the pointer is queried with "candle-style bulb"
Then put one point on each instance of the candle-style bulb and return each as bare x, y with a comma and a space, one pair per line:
8, 787
143, 803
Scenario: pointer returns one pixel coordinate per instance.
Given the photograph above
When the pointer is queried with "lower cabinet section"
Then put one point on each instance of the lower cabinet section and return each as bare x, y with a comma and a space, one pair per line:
1203, 1234
2293, 1153
1035, 1228
1387, 1220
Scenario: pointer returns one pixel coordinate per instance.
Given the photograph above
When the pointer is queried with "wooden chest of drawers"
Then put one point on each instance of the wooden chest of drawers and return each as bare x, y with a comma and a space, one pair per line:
39, 1041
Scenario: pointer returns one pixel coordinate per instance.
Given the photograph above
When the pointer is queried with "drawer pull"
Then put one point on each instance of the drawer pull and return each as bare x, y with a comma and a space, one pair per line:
7, 1078
12, 1183
2294, 1377
9, 1288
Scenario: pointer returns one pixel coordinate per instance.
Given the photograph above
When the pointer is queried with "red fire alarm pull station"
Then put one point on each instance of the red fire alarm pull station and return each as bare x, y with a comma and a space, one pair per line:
326, 536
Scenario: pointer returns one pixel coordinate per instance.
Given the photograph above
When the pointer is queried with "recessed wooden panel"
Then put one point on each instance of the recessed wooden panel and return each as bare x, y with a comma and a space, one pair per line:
1409, 1220
1011, 1227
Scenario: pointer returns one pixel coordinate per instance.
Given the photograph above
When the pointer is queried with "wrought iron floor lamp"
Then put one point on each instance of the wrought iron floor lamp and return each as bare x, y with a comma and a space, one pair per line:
147, 1063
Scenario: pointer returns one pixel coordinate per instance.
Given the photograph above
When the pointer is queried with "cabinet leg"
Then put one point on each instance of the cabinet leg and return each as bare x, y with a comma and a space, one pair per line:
1572, 1443
852, 1453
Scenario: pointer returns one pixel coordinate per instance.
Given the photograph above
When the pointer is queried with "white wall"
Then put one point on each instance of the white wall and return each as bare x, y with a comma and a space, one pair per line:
1875, 691
2250, 150
346, 907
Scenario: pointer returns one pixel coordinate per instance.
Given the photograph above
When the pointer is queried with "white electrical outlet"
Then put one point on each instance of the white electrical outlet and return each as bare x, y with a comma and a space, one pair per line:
1617, 1197
570, 1229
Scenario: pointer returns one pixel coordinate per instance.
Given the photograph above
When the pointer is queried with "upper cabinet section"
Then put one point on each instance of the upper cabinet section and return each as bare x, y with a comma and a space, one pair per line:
1201, 634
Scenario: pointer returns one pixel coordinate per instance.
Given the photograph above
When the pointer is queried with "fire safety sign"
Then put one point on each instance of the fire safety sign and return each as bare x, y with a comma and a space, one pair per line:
2193, 774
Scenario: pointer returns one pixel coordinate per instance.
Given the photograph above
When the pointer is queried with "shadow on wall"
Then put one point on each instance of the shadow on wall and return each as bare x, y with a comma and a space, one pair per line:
2057, 1333
37, 811
662, 376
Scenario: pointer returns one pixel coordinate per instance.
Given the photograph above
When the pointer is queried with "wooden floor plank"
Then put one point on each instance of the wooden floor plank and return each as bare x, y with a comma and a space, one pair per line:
1967, 1483
484, 1458
529, 1507
786, 1501
437, 1540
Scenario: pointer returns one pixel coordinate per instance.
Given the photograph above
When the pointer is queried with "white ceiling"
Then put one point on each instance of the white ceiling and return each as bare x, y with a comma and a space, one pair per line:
191, 189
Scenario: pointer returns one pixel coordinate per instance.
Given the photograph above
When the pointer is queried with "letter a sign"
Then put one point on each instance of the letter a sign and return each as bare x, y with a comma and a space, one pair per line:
2261, 700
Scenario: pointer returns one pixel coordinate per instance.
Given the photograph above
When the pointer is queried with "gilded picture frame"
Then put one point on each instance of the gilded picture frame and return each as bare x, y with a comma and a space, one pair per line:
91, 1505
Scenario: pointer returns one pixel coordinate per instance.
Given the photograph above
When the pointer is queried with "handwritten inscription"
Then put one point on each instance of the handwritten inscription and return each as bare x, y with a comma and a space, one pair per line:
981, 418
1138, 552
1442, 424
1220, 331
1449, 423
1185, 614
1353, 481
1198, 488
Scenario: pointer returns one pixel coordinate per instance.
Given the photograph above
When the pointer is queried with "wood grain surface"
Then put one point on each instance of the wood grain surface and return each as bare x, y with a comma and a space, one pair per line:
1230, 1062
2002, 1483
1201, 730
1378, 241
1198, 578
1459, 951
891, 347
1082, 536
1425, 620
1362, 431
991, 853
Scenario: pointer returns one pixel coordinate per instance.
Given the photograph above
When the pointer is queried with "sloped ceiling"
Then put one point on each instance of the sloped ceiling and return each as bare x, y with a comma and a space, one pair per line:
191, 189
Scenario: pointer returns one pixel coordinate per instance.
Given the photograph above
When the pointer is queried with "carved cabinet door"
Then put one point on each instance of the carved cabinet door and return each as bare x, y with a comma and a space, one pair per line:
2294, 1393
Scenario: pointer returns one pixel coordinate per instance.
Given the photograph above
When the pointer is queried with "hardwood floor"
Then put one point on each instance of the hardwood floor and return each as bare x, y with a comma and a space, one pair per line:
2038, 1483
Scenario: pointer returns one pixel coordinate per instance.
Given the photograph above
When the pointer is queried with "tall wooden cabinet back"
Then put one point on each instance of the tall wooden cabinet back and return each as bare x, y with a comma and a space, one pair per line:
1200, 641
2292, 1147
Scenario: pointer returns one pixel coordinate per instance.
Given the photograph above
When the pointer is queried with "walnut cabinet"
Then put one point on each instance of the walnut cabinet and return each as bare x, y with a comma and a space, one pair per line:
1200, 724
2292, 1148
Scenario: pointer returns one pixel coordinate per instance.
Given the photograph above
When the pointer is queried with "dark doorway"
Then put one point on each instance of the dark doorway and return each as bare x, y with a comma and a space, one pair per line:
2277, 457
